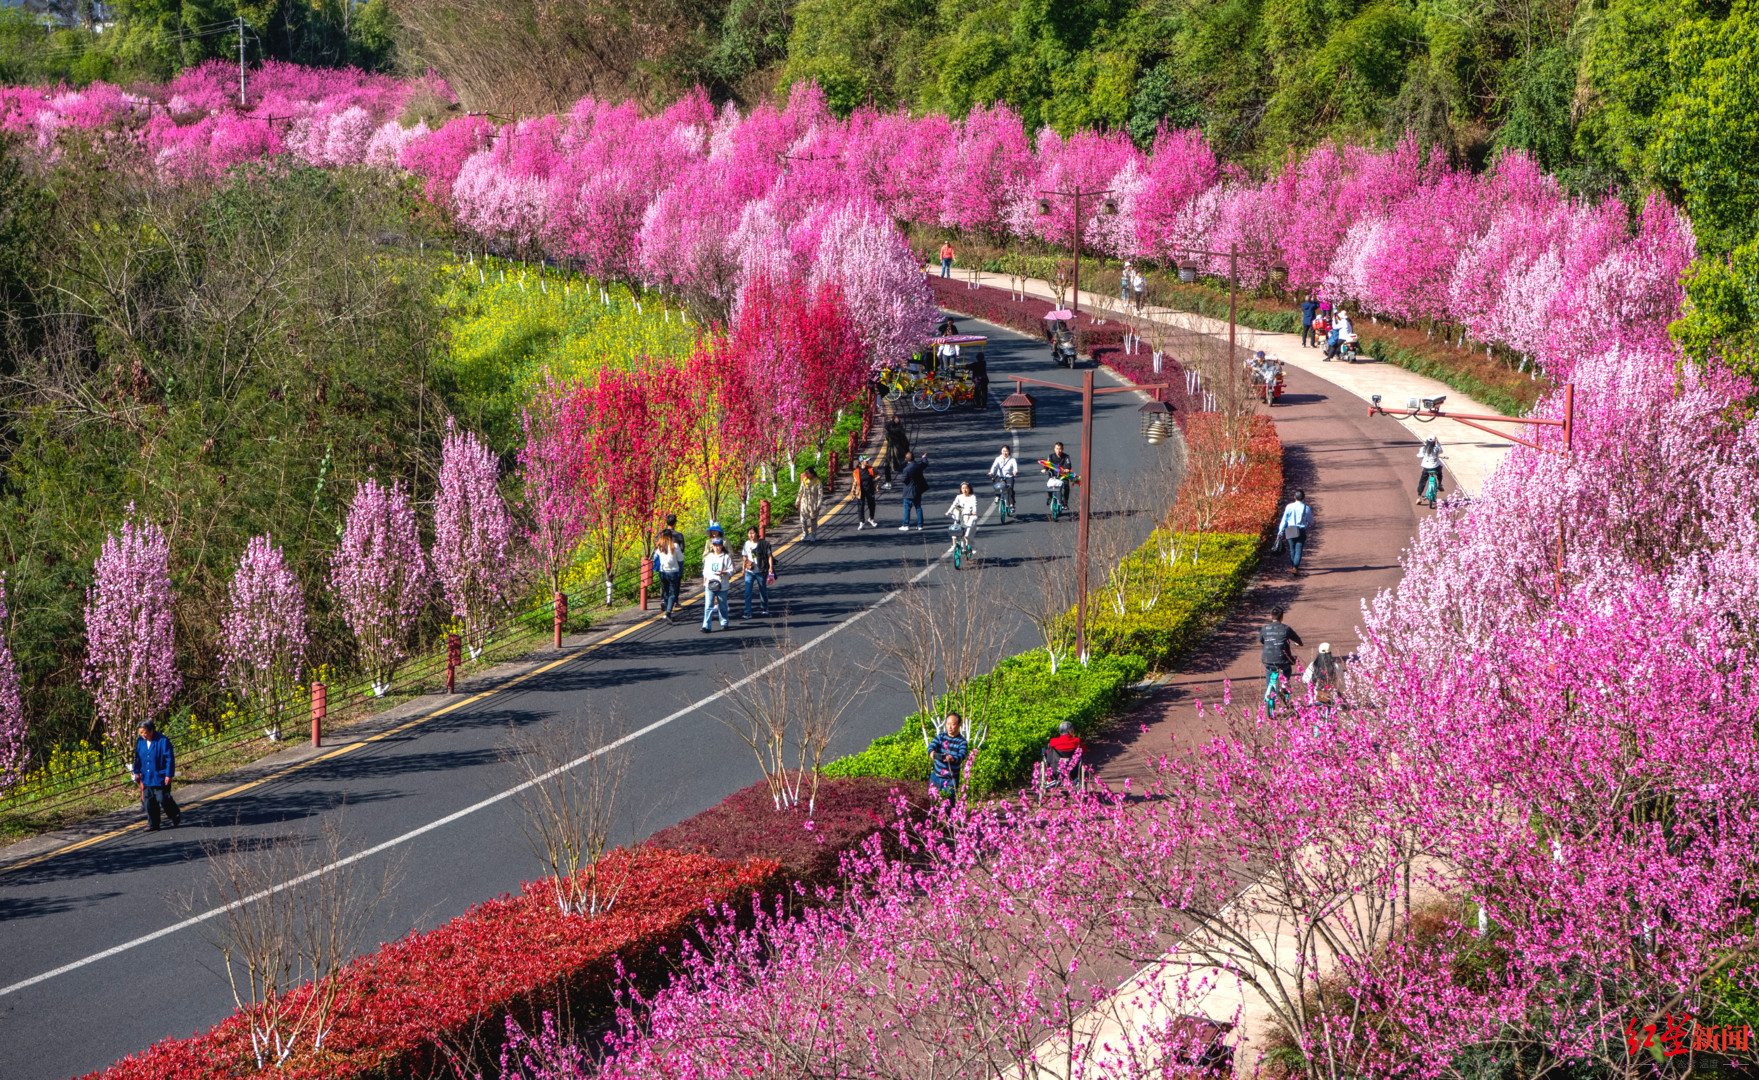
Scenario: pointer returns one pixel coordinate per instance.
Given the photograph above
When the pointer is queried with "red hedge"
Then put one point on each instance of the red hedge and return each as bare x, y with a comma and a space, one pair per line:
746, 824
405, 1005
1252, 508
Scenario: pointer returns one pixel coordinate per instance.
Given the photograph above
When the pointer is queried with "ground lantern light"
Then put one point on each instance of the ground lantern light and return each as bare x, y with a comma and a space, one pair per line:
1019, 412
1157, 422
1188, 270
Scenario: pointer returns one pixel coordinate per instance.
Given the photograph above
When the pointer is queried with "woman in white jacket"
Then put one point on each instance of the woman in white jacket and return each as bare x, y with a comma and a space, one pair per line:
964, 515
717, 567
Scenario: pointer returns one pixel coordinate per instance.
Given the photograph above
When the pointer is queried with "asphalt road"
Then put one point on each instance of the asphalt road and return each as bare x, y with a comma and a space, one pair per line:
88, 910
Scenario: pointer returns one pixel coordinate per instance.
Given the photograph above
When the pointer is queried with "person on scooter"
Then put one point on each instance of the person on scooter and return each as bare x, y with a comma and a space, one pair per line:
1429, 460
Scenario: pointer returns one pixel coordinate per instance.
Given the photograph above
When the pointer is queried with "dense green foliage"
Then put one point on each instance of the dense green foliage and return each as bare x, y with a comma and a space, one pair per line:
1167, 607
155, 39
229, 358
1023, 703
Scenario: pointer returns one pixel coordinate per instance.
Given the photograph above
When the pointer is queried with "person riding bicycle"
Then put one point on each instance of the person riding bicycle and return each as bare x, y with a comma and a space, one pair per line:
964, 515
1277, 657
1059, 466
1063, 754
1003, 470
1429, 460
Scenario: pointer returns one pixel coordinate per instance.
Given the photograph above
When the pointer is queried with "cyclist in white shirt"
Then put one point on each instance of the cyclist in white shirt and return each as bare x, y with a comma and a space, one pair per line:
1003, 470
964, 514
1429, 460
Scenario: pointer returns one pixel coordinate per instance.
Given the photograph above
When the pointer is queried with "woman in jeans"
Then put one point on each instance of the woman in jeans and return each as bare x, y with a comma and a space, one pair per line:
717, 568
669, 565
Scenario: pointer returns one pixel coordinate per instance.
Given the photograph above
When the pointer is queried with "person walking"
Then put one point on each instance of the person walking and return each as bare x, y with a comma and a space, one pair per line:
946, 258
1292, 529
946, 758
669, 565
760, 569
809, 501
1274, 652
1139, 286
1309, 310
914, 480
1124, 280
896, 449
153, 766
866, 484
717, 568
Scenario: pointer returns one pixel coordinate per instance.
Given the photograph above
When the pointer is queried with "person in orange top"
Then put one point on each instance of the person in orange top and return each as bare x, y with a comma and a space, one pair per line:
947, 258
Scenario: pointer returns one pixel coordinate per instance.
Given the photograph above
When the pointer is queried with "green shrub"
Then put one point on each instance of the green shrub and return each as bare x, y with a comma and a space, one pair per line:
1167, 608
1022, 702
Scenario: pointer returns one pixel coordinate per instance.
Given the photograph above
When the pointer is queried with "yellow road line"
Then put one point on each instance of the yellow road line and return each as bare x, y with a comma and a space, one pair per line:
357, 744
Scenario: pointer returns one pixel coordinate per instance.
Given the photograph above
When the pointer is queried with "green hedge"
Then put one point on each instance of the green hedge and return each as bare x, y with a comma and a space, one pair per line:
1023, 703
1159, 628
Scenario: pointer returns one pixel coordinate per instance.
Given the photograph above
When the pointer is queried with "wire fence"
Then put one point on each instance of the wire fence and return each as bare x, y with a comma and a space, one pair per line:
42, 791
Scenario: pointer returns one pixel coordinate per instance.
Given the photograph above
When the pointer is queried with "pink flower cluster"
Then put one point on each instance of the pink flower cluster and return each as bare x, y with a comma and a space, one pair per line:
13, 754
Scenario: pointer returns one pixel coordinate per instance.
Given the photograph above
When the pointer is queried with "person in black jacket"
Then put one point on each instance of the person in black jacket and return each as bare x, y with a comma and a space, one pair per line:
979, 369
914, 480
1275, 636
866, 483
896, 449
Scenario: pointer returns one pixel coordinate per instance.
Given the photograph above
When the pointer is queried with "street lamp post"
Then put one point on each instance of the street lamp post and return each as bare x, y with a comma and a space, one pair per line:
1044, 207
1150, 432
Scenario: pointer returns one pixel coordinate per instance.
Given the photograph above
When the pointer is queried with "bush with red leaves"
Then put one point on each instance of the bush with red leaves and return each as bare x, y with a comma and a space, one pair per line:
1245, 497
1026, 316
411, 1005
746, 824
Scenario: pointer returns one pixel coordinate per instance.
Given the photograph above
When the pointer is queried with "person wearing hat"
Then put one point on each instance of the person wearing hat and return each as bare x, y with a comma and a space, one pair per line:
866, 488
717, 568
1323, 673
153, 766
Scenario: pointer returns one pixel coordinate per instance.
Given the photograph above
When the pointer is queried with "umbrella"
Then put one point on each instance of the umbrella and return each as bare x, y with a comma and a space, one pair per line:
1059, 315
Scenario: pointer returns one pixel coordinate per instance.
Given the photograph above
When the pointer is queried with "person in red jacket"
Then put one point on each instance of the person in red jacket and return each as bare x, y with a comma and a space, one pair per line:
1060, 754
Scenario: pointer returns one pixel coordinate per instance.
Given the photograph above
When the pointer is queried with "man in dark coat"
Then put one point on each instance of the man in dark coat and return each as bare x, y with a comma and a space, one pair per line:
914, 481
1279, 661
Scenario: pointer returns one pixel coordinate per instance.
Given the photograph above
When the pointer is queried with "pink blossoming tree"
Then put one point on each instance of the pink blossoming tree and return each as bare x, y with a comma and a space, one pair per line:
131, 664
380, 578
473, 536
263, 633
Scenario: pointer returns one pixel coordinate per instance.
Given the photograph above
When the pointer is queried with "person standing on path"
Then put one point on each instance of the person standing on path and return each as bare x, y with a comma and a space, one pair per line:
809, 501
1279, 660
1124, 284
979, 369
897, 448
946, 258
1309, 309
760, 570
669, 565
154, 764
914, 480
946, 758
1139, 286
866, 484
1292, 529
717, 568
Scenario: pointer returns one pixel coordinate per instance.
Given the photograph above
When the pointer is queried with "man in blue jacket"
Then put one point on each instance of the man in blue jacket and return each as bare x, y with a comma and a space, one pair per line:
154, 764
1309, 309
914, 480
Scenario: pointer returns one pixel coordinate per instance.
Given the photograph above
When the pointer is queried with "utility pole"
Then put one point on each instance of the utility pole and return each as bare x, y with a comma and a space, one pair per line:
241, 61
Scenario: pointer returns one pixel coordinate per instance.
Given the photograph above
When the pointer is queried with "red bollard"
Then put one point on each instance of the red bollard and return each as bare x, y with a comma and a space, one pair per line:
647, 578
561, 616
763, 518
831, 474
317, 714
454, 657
